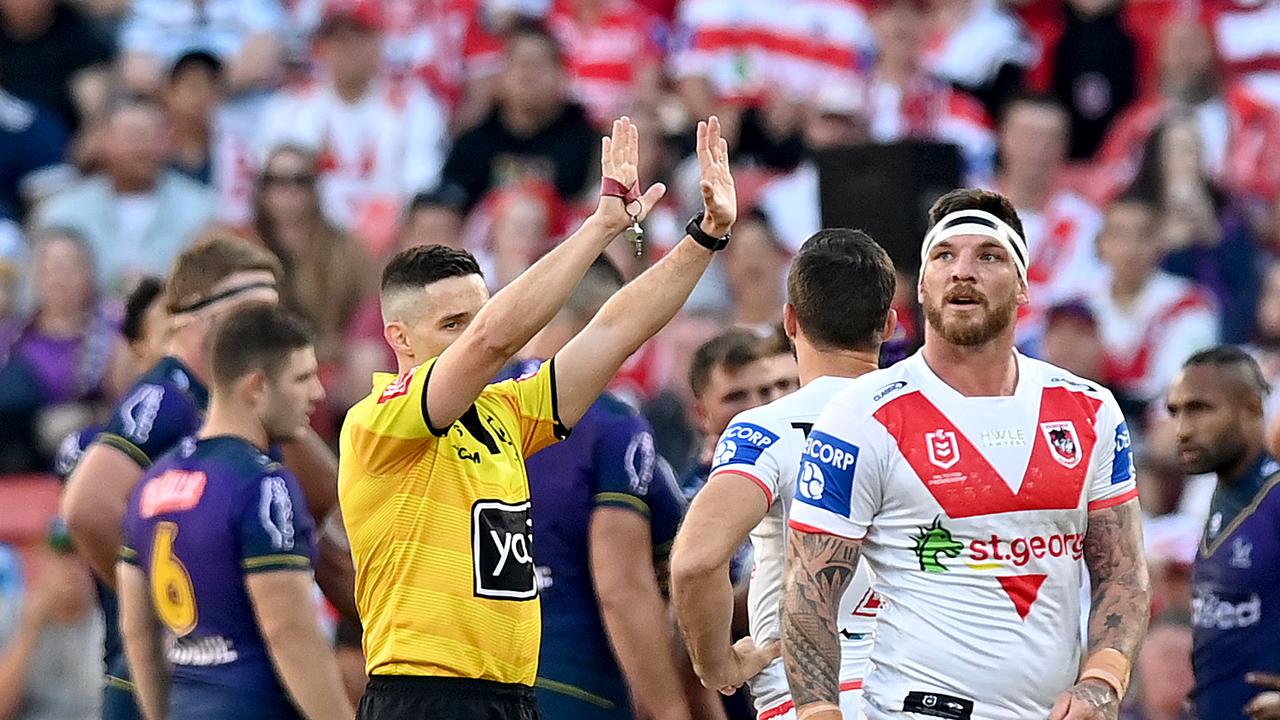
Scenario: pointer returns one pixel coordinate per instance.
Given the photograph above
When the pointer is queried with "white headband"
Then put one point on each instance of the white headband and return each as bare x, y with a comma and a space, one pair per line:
977, 222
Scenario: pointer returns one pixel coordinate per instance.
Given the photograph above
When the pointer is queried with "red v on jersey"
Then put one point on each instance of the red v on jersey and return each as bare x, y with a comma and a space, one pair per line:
1022, 590
965, 483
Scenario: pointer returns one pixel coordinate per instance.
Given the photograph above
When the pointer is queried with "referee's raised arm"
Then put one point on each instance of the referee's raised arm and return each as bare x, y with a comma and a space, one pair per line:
641, 308
517, 312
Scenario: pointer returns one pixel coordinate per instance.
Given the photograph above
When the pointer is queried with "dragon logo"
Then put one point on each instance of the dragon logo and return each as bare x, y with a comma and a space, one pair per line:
933, 541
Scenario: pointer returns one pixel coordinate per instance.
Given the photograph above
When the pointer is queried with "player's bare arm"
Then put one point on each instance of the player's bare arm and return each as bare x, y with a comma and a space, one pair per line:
589, 361
517, 312
718, 522
632, 608
819, 568
141, 633
94, 504
1120, 608
301, 654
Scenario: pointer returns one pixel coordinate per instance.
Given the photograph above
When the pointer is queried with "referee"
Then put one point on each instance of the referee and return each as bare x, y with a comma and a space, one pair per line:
432, 480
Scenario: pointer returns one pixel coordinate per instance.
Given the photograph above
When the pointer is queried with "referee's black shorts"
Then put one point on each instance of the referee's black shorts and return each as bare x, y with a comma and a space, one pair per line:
407, 697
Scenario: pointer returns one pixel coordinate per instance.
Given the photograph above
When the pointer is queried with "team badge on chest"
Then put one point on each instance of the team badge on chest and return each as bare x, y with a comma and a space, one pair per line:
1064, 444
943, 449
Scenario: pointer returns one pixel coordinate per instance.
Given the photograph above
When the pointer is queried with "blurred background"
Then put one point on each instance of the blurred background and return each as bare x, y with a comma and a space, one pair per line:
1139, 139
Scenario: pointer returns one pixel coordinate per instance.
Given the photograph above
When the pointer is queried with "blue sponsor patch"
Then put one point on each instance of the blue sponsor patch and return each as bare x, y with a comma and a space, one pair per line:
1122, 461
826, 473
742, 444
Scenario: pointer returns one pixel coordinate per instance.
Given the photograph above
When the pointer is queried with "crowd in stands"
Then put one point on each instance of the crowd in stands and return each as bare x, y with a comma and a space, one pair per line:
1139, 140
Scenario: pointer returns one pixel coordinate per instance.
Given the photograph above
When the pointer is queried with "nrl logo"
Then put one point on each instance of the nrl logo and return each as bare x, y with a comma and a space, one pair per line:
943, 449
1064, 444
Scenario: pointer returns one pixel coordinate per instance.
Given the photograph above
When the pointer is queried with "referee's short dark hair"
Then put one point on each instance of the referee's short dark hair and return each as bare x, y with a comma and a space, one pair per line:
256, 337
422, 265
840, 286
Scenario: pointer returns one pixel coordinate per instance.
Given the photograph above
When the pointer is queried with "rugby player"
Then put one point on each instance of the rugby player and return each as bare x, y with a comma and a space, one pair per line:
208, 280
215, 572
838, 293
432, 482
979, 483
1216, 405
606, 508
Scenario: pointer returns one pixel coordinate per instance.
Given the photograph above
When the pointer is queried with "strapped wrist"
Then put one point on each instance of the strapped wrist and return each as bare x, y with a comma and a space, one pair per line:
1110, 667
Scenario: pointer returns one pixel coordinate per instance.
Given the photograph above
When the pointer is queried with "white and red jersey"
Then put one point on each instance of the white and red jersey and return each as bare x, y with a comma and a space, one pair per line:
1063, 265
972, 513
764, 445
602, 58
1245, 32
1147, 340
751, 49
384, 147
972, 53
930, 109
1237, 133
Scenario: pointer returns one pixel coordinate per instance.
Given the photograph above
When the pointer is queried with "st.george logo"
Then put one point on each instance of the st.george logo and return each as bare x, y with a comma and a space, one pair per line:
943, 449
1064, 444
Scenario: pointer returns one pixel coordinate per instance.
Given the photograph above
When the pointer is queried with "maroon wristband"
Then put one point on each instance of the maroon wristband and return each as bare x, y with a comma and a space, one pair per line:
613, 188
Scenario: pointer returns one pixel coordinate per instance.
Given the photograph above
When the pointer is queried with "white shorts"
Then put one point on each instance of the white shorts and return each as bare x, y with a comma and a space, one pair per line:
850, 705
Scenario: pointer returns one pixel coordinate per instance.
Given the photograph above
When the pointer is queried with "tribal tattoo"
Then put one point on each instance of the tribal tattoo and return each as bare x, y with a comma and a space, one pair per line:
1121, 589
819, 568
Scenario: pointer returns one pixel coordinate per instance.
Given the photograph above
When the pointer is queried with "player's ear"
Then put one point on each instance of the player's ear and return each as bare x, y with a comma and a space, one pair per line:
1024, 293
396, 336
789, 324
890, 324
254, 387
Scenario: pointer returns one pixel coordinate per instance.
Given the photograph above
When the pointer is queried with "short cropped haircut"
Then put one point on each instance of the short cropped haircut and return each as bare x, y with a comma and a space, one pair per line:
977, 199
419, 266
732, 350
841, 285
140, 299
599, 284
776, 342
1233, 358
256, 337
201, 267
532, 29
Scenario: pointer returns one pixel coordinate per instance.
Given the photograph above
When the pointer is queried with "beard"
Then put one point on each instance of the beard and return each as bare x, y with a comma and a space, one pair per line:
970, 332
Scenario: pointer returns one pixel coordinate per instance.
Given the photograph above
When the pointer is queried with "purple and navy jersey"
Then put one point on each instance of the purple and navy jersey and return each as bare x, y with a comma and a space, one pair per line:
201, 519
164, 406
1236, 586
608, 461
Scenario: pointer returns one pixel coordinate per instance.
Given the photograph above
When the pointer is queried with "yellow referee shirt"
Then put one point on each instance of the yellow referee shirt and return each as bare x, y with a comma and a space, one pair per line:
440, 527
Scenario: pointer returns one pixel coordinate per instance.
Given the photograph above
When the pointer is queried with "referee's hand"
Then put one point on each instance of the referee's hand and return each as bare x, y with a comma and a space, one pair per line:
719, 196
620, 160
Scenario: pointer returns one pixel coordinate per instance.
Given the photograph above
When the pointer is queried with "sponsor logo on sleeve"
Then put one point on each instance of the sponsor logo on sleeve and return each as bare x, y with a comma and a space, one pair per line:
826, 472
640, 458
502, 550
398, 387
138, 412
1122, 464
742, 444
171, 491
275, 511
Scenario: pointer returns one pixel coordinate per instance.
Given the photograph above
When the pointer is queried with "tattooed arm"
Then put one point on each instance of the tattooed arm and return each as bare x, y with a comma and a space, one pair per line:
819, 568
1120, 609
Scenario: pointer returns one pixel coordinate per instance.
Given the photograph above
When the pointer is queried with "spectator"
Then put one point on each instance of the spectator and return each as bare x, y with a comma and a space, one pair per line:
780, 357
379, 140
327, 275
434, 218
1061, 226
979, 47
69, 351
514, 227
1095, 71
612, 55
33, 146
1244, 33
146, 325
196, 87
1150, 320
244, 34
1163, 671
1203, 232
1265, 342
1072, 340
534, 133
51, 56
747, 52
906, 101
1236, 129
48, 670
136, 215
755, 267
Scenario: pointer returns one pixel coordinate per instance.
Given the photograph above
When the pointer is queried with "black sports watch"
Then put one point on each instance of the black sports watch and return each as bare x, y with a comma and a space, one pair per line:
695, 231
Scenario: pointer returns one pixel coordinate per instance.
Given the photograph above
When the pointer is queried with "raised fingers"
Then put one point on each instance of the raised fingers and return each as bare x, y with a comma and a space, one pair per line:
633, 143
704, 155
